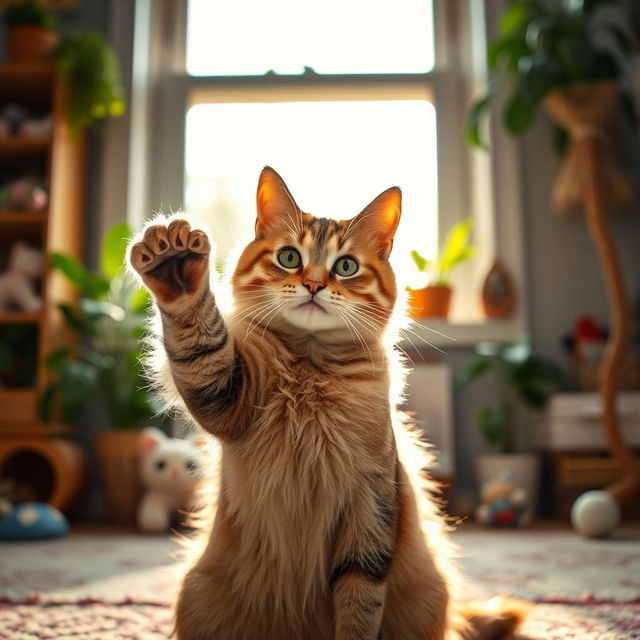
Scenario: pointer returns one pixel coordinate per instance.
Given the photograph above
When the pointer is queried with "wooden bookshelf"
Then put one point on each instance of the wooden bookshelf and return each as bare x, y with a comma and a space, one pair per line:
59, 158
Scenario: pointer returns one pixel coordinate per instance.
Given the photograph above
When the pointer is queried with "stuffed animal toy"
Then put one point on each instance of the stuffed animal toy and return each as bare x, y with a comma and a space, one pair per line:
171, 469
503, 504
25, 194
16, 283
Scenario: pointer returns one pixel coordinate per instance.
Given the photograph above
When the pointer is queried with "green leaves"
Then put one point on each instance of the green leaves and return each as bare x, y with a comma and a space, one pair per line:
114, 248
470, 372
494, 426
103, 364
88, 283
474, 120
420, 262
76, 384
540, 49
518, 112
521, 376
29, 12
91, 76
456, 248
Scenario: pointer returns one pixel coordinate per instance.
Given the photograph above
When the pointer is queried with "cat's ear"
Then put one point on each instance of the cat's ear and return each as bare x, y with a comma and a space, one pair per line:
379, 220
150, 438
198, 440
275, 204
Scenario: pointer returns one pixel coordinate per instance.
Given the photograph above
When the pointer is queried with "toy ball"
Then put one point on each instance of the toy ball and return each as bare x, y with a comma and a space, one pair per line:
595, 514
33, 521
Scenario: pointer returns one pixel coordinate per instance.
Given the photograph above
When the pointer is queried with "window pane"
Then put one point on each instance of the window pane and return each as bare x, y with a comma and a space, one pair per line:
251, 37
335, 157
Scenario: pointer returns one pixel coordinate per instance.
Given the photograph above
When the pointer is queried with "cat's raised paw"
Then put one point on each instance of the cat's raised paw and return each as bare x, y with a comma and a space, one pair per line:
173, 260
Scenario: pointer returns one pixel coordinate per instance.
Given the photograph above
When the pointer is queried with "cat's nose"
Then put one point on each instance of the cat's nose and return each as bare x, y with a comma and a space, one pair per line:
313, 286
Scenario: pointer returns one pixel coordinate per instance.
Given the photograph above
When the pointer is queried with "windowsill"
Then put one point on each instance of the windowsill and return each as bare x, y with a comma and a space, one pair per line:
441, 335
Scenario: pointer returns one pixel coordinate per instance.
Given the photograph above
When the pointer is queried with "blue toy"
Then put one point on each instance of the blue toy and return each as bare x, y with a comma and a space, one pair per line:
33, 521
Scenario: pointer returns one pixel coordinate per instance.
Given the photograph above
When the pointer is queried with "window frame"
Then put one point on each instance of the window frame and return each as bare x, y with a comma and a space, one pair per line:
487, 184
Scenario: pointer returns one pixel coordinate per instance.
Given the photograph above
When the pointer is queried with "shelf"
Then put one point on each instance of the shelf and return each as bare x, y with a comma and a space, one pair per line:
24, 146
25, 72
21, 317
19, 220
34, 430
30, 83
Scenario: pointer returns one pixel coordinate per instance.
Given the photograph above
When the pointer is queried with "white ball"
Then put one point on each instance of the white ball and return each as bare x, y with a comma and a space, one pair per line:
595, 514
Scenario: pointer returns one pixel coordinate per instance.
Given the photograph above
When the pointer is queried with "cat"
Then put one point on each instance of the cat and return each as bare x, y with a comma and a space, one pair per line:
324, 526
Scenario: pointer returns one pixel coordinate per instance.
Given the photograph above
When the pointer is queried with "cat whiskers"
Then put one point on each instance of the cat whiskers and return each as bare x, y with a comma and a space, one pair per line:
405, 332
341, 311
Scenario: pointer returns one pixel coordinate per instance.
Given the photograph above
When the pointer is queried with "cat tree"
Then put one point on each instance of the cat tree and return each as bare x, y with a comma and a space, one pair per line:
590, 177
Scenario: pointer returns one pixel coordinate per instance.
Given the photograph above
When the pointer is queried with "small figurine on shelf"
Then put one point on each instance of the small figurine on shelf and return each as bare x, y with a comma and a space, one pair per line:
503, 504
15, 120
16, 283
26, 194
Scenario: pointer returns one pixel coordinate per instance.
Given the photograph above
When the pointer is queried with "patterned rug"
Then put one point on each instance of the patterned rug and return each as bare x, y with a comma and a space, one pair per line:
99, 586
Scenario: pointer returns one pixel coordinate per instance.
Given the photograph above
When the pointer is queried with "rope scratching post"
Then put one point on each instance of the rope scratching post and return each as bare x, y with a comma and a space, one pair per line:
589, 176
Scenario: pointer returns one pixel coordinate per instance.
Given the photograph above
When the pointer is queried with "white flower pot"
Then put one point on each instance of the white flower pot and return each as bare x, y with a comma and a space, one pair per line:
523, 470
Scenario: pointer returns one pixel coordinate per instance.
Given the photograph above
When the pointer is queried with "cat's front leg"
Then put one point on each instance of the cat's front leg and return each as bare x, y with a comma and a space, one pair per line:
209, 373
363, 556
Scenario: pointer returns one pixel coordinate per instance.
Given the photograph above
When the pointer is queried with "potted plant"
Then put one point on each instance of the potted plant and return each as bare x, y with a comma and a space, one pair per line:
103, 365
434, 300
523, 379
90, 72
32, 33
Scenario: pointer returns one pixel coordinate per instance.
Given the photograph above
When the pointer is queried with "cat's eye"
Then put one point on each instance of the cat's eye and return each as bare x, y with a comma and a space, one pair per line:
289, 258
160, 465
346, 266
191, 466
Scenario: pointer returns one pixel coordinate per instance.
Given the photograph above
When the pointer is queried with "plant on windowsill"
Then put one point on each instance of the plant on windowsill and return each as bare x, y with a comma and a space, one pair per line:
32, 32
523, 380
102, 366
434, 300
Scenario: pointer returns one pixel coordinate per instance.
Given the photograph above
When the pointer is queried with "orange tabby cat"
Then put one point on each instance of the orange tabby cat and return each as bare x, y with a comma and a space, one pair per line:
324, 527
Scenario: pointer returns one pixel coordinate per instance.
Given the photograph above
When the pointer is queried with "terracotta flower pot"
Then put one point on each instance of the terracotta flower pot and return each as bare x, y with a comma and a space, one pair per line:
430, 302
119, 460
30, 43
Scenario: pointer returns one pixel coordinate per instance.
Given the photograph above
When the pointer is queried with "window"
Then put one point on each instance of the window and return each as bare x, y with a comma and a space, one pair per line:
344, 98
340, 139
253, 37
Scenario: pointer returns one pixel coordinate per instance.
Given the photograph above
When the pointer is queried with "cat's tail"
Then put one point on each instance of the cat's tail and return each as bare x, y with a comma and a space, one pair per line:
496, 619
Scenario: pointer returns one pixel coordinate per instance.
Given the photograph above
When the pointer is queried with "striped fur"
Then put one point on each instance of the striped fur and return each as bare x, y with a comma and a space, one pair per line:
324, 527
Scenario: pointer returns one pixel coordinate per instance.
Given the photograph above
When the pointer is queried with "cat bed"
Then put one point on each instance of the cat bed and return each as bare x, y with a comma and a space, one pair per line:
33, 521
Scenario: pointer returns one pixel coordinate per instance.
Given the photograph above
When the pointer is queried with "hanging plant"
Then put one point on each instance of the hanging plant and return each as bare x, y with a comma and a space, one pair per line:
90, 72
540, 49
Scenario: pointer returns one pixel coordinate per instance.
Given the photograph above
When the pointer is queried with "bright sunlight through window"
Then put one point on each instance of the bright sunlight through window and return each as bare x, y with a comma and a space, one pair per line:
252, 37
335, 157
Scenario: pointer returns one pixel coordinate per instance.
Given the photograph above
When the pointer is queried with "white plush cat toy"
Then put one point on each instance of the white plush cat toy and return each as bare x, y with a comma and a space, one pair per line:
16, 283
171, 469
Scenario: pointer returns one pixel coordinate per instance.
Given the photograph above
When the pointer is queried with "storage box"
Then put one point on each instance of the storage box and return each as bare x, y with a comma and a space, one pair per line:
573, 422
